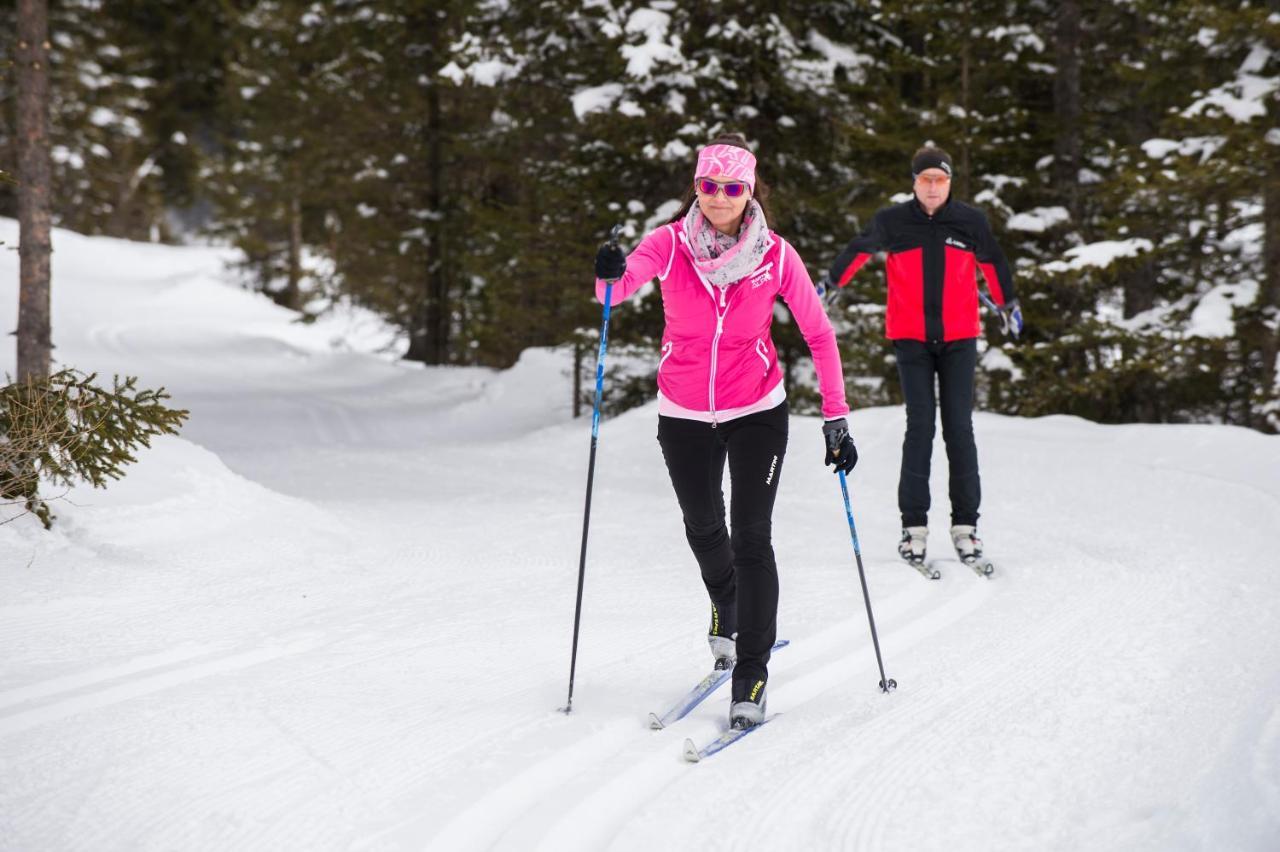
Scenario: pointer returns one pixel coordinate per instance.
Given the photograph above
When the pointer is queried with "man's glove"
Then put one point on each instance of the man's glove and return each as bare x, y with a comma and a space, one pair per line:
1011, 319
827, 290
840, 449
611, 262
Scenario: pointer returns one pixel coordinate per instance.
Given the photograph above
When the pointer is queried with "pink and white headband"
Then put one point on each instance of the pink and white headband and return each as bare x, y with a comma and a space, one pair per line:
728, 160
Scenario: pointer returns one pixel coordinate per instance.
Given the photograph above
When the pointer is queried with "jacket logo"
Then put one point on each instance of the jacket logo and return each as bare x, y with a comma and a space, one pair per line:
761, 278
952, 241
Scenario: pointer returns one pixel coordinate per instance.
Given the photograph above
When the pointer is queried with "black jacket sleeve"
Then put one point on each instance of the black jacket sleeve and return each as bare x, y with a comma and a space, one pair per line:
992, 262
859, 251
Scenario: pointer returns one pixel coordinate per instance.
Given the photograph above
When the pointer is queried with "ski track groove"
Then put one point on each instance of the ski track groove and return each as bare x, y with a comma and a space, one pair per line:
127, 681
934, 728
898, 642
925, 736
656, 762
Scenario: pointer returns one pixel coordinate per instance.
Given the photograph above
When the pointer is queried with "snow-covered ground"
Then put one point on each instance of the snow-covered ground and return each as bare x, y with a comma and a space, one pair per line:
336, 614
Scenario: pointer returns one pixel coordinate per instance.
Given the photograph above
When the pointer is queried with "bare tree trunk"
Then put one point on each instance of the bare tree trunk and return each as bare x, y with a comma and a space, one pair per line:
35, 247
965, 165
292, 296
1140, 290
1270, 295
1066, 106
579, 350
438, 294
429, 338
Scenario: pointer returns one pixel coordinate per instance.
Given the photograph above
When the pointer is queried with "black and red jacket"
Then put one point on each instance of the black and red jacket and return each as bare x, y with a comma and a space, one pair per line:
932, 269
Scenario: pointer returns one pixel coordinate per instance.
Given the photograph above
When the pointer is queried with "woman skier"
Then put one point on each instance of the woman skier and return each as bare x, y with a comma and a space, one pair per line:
721, 394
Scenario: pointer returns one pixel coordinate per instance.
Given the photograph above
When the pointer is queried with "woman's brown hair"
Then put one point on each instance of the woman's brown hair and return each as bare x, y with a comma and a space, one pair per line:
760, 193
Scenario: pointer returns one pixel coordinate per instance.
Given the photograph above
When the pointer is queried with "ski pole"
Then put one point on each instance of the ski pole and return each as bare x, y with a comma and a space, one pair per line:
591, 470
886, 684
1004, 320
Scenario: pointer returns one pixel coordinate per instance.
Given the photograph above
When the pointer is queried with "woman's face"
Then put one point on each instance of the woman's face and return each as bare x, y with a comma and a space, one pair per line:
722, 211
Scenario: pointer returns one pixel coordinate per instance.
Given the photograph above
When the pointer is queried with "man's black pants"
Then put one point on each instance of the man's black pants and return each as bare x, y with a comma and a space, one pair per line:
738, 569
953, 364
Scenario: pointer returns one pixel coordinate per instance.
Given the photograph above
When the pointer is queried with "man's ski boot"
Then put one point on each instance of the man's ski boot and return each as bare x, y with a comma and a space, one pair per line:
748, 707
969, 548
721, 635
912, 549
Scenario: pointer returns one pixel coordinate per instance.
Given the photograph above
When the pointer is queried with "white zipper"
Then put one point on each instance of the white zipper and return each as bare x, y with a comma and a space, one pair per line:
763, 352
715, 341
715, 357
666, 353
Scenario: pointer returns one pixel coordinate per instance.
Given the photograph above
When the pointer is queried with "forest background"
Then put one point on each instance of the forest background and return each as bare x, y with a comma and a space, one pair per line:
453, 166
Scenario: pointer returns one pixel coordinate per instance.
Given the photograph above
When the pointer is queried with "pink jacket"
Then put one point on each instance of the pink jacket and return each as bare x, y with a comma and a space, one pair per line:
717, 355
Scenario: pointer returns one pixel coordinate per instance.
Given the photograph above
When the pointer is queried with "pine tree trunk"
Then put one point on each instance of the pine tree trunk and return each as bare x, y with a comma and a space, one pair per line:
292, 296
1270, 295
965, 161
35, 248
1066, 105
1140, 290
579, 350
429, 339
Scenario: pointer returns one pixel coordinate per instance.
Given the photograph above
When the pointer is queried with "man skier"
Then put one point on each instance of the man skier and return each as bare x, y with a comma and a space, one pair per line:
935, 246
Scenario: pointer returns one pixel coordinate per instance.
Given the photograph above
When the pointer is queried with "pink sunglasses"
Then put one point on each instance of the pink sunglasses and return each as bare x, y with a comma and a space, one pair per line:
732, 189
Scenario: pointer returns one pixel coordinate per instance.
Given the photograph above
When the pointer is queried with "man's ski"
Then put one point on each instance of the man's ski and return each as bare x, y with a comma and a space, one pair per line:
693, 754
981, 565
698, 694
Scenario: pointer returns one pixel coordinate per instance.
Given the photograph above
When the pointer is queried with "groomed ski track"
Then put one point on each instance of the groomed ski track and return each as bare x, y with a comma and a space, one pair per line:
336, 614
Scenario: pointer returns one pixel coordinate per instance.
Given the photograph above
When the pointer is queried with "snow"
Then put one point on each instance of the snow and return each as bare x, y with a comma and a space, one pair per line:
821, 73
1038, 219
336, 613
654, 26
996, 359
595, 99
1205, 146
61, 154
1244, 98
1213, 316
1247, 239
1100, 254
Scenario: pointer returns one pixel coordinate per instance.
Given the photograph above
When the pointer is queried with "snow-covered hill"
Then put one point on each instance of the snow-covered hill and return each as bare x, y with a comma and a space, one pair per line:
336, 613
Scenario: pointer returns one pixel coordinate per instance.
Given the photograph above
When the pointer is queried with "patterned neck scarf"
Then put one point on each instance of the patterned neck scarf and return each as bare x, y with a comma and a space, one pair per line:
723, 259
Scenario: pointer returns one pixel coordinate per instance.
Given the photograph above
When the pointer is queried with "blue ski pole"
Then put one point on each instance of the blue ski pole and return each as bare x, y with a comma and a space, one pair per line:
886, 684
1005, 325
591, 470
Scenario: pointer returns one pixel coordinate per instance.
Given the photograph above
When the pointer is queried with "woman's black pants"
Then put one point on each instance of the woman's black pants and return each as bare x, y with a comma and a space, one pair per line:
738, 567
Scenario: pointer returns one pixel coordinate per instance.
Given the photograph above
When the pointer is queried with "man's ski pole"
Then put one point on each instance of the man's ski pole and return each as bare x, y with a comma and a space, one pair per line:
995, 309
886, 684
591, 470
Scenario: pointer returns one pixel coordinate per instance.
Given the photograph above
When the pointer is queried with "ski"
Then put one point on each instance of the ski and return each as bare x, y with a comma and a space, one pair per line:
981, 566
927, 569
698, 694
693, 754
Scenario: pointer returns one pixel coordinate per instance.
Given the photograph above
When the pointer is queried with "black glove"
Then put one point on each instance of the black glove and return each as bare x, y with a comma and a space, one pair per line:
827, 290
611, 263
840, 449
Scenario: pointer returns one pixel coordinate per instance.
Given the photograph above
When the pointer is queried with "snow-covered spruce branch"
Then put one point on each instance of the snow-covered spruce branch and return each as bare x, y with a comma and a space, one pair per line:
65, 429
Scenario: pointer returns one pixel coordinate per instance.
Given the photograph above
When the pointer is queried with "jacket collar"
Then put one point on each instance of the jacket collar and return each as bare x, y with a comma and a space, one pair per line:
944, 212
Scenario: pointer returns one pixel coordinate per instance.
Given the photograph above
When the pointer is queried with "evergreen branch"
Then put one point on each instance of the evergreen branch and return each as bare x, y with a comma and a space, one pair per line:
66, 429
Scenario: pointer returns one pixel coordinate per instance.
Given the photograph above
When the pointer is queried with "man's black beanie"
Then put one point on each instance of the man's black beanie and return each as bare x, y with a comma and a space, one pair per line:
930, 158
